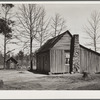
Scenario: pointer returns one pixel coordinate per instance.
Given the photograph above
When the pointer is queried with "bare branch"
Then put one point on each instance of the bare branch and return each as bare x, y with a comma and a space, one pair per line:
93, 29
29, 20
58, 25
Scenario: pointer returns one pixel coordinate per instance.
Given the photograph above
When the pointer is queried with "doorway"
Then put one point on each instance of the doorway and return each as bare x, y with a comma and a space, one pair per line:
67, 60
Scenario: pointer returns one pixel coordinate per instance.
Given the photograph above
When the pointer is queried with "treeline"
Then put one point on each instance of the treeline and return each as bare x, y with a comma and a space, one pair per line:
21, 58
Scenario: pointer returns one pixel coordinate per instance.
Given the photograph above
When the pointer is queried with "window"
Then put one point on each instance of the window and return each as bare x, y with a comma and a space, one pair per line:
67, 57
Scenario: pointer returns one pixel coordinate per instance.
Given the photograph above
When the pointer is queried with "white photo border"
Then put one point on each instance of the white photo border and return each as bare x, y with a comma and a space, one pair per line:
48, 94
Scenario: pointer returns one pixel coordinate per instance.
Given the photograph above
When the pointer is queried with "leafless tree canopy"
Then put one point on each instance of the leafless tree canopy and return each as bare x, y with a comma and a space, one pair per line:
93, 30
58, 25
43, 29
28, 16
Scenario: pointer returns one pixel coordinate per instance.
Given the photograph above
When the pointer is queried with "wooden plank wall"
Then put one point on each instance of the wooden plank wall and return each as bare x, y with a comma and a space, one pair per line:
89, 61
57, 55
64, 43
43, 62
57, 61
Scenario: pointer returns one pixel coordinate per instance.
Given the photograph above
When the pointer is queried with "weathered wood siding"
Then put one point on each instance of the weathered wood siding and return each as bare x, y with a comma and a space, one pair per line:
54, 61
57, 55
57, 61
63, 43
43, 62
89, 61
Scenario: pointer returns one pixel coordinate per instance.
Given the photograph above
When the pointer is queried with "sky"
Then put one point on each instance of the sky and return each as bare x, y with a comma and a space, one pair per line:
76, 16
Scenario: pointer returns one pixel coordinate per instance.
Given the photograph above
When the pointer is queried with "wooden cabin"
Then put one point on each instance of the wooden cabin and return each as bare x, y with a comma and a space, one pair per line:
64, 54
11, 63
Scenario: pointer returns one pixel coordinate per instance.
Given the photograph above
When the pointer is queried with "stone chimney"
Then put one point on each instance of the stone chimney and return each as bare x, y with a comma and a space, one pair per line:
76, 54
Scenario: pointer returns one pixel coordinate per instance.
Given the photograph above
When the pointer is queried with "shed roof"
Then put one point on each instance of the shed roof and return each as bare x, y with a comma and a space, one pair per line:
90, 50
12, 59
51, 42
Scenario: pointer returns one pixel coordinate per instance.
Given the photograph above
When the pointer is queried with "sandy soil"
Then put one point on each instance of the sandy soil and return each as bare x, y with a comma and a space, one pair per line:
25, 80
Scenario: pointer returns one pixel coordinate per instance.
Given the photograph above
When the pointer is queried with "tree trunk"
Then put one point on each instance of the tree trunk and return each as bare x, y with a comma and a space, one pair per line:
41, 42
95, 48
31, 64
4, 51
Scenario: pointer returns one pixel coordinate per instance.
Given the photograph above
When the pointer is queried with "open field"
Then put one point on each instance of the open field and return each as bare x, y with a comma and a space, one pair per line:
24, 80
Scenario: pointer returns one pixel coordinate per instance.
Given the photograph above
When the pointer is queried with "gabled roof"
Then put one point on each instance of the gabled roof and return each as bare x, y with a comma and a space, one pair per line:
51, 42
12, 59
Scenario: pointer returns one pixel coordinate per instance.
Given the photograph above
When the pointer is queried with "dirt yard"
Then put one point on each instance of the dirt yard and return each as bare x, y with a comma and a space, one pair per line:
25, 80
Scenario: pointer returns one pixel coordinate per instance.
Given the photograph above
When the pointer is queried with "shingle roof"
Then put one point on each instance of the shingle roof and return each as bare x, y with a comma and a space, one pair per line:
51, 42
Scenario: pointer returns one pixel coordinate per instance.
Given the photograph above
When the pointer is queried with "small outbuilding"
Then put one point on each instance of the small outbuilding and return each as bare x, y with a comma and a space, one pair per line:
11, 63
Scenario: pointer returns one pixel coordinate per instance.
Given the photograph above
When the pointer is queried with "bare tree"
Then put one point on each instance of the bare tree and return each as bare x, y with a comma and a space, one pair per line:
92, 30
6, 26
43, 29
58, 25
28, 18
